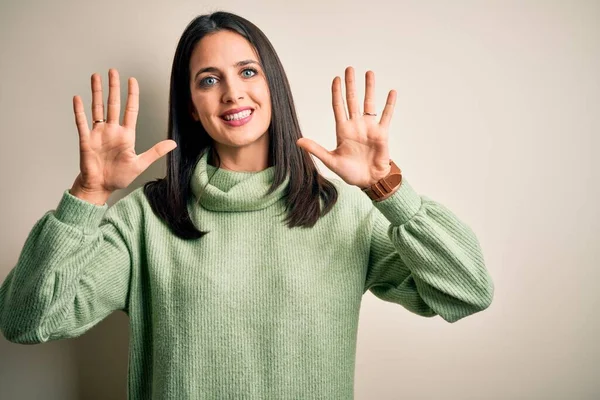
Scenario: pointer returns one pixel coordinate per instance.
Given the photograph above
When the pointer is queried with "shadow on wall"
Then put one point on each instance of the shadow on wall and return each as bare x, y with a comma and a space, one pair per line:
92, 366
100, 358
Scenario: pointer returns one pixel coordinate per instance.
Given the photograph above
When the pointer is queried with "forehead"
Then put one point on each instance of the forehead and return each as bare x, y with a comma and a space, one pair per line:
221, 49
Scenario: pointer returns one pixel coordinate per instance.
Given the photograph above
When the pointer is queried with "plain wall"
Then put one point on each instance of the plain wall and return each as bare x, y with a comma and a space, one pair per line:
497, 117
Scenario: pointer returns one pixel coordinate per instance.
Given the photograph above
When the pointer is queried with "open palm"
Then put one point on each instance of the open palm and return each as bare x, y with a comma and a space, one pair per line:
362, 154
108, 160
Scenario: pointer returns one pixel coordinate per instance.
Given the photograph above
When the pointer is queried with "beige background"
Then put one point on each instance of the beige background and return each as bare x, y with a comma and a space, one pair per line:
498, 117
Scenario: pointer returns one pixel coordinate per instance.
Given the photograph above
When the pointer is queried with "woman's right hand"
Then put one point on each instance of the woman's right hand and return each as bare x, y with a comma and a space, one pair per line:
107, 158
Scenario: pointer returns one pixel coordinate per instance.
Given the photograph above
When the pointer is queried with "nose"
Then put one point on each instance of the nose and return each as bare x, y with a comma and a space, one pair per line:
233, 91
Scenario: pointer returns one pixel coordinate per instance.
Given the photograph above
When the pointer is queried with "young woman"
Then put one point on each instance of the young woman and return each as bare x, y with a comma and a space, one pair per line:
242, 271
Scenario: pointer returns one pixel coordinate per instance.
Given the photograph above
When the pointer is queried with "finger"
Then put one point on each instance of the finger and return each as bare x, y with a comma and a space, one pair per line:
80, 119
97, 102
370, 93
114, 97
339, 110
388, 110
319, 151
351, 93
157, 151
132, 106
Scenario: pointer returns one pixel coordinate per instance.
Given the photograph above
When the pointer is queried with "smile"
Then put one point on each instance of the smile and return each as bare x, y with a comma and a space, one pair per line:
238, 119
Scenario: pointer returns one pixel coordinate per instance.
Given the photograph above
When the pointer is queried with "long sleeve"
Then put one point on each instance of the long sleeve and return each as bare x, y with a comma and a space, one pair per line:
425, 259
73, 271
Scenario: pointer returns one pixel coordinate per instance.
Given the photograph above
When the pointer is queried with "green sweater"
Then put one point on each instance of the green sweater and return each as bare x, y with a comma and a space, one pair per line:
253, 310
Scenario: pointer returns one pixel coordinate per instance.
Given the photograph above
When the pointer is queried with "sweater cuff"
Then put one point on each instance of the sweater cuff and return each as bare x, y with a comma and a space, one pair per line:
400, 206
74, 211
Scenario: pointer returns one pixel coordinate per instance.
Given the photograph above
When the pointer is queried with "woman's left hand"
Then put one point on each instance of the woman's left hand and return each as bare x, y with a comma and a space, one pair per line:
362, 156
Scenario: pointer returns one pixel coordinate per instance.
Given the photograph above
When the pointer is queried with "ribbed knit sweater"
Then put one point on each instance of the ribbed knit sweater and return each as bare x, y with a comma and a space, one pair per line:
254, 309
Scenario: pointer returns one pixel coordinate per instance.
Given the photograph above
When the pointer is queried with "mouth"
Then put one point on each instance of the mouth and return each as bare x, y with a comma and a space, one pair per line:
237, 113
238, 119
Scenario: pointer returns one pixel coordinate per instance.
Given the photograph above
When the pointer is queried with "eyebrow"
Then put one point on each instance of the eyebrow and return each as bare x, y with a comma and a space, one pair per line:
237, 64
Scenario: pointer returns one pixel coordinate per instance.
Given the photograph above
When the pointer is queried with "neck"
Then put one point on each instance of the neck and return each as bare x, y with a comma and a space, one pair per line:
251, 158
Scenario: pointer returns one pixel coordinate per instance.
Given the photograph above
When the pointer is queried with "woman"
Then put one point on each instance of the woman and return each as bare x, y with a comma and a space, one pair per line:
242, 271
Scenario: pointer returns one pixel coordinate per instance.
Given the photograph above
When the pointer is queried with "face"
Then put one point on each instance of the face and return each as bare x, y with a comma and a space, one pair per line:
226, 75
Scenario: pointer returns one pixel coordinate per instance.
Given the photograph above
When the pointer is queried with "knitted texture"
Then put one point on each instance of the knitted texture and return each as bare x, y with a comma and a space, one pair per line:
254, 309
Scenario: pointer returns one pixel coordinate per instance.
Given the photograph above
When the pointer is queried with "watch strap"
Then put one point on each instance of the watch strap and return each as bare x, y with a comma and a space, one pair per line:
387, 185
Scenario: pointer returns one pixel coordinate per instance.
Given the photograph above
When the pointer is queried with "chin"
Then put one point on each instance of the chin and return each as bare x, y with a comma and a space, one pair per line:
239, 141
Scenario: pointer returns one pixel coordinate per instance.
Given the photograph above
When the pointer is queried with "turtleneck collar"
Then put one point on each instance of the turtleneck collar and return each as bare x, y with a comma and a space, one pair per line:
219, 189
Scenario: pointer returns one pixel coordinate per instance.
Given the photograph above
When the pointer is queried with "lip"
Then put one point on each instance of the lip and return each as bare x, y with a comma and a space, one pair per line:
238, 122
235, 110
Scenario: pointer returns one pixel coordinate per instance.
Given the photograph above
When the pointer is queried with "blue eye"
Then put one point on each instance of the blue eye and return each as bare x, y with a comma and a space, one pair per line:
204, 82
251, 70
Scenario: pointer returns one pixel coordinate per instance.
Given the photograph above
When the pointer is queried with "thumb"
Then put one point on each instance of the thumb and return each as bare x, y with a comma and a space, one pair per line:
156, 152
317, 150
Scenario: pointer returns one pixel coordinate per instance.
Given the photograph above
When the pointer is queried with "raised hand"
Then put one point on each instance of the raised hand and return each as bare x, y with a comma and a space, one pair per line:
362, 156
107, 157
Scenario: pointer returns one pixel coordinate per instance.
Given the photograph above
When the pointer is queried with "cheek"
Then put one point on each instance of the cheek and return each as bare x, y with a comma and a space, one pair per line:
195, 102
265, 100
202, 106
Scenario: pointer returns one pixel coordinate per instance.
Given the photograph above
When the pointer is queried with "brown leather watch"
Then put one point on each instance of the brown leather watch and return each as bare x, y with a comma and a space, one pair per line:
387, 185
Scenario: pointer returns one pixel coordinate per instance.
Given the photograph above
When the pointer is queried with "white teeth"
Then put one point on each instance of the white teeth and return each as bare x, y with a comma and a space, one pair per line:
237, 116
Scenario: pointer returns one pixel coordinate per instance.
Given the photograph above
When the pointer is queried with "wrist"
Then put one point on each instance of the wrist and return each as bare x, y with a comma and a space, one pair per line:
96, 197
369, 184
386, 186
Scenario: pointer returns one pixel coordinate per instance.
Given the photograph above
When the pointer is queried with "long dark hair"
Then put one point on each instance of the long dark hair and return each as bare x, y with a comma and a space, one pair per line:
168, 196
